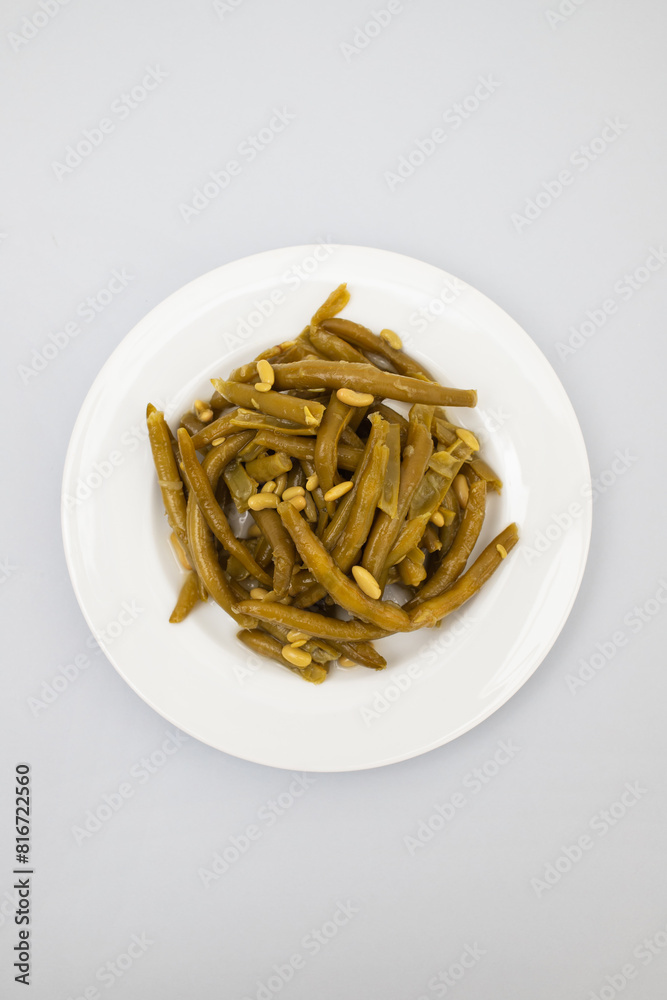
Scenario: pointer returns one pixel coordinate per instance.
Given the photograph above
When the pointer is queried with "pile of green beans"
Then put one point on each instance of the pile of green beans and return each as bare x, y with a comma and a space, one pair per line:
339, 495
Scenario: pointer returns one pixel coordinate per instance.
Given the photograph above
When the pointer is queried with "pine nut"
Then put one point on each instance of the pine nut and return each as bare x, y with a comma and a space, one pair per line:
205, 415
258, 593
338, 491
298, 657
260, 501
296, 636
367, 582
293, 491
460, 487
263, 386
217, 441
468, 438
269, 487
437, 519
353, 398
265, 372
299, 643
502, 550
345, 661
299, 503
392, 339
312, 483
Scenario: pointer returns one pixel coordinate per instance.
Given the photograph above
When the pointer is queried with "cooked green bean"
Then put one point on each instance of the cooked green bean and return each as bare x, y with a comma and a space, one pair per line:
388, 501
338, 299
192, 423
269, 467
282, 547
367, 494
416, 457
393, 417
241, 418
310, 622
187, 598
363, 653
168, 475
215, 518
336, 417
205, 559
453, 563
275, 404
432, 611
267, 646
484, 471
449, 530
335, 348
222, 427
299, 447
368, 341
241, 486
367, 378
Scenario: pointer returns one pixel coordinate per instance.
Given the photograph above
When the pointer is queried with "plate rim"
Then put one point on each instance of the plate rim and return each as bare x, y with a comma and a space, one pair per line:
135, 334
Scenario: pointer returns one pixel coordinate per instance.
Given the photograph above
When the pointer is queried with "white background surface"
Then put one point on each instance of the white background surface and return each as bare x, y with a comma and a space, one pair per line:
475, 883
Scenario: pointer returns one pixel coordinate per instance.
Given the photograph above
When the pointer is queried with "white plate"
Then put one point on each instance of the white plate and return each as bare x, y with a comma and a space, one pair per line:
439, 683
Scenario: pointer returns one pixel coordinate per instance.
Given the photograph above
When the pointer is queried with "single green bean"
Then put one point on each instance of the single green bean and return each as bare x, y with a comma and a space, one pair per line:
432, 611
169, 477
310, 622
187, 598
215, 517
336, 417
362, 337
309, 374
275, 404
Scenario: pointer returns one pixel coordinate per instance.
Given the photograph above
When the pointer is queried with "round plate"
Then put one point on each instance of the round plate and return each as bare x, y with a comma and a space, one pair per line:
439, 683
